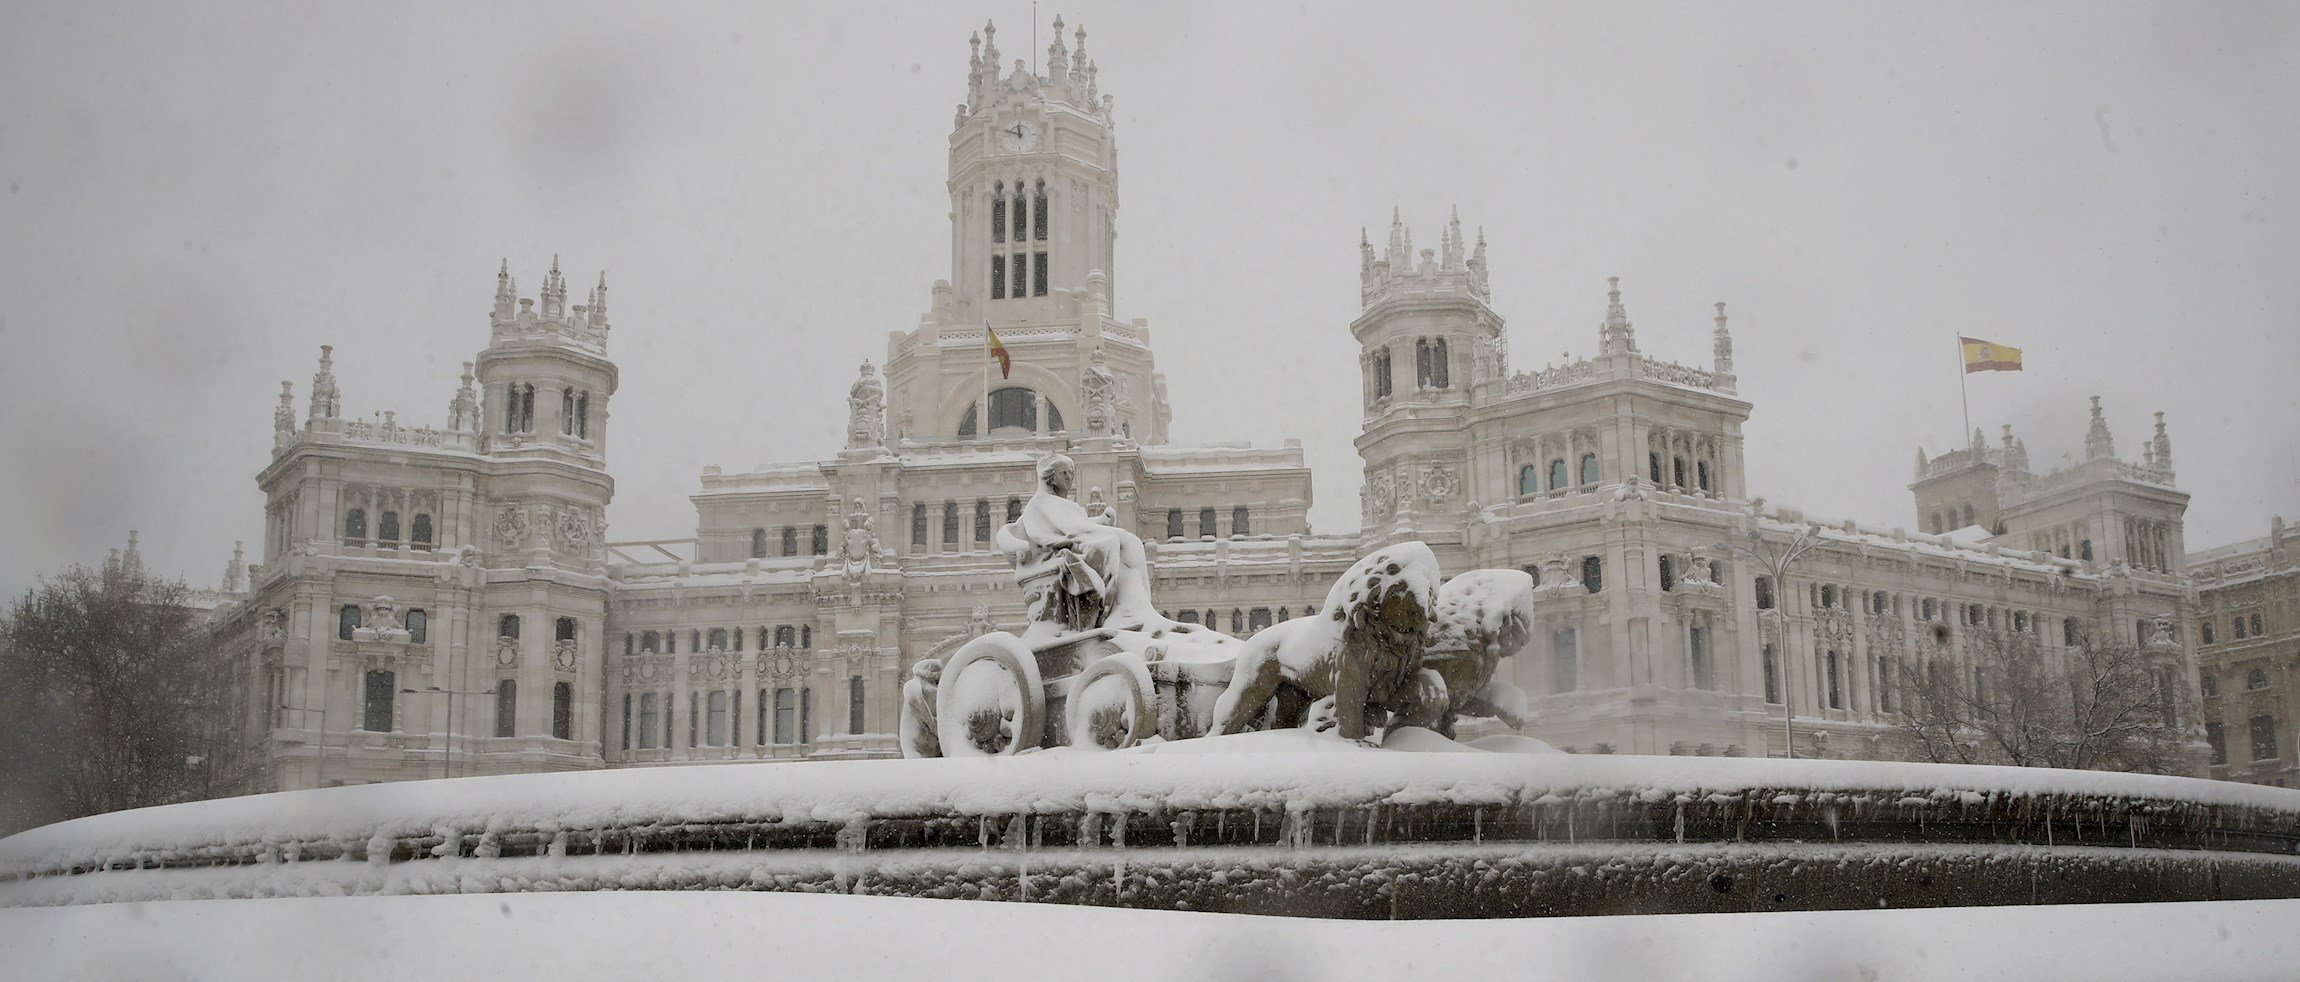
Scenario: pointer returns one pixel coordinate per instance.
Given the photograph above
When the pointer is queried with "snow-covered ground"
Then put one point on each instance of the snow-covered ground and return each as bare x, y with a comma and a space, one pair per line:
690, 936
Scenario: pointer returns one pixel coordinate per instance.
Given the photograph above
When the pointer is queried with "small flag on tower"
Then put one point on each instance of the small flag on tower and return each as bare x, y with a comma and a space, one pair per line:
1006, 361
1983, 356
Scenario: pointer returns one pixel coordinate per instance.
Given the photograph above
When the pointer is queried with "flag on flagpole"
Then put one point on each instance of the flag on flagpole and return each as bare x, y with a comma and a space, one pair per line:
1983, 356
1006, 361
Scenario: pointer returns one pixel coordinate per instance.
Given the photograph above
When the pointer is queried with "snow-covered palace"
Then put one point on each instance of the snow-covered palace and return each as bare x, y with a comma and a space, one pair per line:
441, 599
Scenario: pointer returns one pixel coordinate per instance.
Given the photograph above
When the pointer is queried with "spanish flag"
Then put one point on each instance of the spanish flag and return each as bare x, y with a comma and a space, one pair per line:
1006, 361
1983, 356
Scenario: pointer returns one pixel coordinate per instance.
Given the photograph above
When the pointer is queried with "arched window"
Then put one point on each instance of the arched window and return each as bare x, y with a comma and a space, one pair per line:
1668, 573
1382, 373
1013, 508
718, 637
562, 711
387, 527
1528, 480
1653, 463
758, 543
918, 525
1701, 473
2240, 635
981, 521
506, 708
1557, 474
1037, 212
1592, 573
1828, 595
1677, 472
2256, 631
1258, 618
527, 409
997, 223
1013, 407
1206, 526
567, 412
786, 636
375, 705
355, 525
418, 626
1589, 468
583, 415
1936, 524
2209, 684
1239, 526
1173, 523
2084, 550
346, 621
1188, 617
1968, 517
651, 641
821, 540
422, 530
507, 626
1764, 592
2206, 627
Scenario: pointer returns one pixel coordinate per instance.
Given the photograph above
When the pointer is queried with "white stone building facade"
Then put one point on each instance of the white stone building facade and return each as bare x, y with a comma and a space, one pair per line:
442, 600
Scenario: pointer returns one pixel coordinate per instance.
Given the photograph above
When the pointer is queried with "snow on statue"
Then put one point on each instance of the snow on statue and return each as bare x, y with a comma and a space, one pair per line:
1097, 667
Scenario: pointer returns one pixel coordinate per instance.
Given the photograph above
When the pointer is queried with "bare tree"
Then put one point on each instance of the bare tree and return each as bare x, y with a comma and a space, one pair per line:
110, 696
2006, 698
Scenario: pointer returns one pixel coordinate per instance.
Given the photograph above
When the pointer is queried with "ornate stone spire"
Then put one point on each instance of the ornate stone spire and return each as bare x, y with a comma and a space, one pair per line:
1921, 463
1721, 352
1365, 251
1401, 253
463, 410
1057, 58
283, 417
554, 292
2163, 445
325, 400
2097, 443
866, 410
599, 303
236, 571
1454, 246
506, 291
1616, 336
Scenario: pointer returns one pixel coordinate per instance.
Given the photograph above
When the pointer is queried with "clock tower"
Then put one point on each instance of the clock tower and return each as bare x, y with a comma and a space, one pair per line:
1033, 238
1033, 183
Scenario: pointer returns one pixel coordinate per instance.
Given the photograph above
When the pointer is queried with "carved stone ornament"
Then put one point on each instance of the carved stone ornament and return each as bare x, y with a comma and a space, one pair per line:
780, 663
507, 652
511, 527
563, 656
1439, 484
866, 409
860, 545
576, 531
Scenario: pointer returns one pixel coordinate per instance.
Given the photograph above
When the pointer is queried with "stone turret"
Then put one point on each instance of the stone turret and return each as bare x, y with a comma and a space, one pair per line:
2098, 445
326, 400
1450, 269
1721, 348
1616, 336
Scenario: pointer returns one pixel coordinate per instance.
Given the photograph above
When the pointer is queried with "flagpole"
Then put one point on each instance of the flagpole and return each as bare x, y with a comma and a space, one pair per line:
1962, 398
982, 422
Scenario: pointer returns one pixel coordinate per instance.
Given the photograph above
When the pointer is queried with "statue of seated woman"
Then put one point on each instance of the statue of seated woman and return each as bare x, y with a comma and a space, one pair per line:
1077, 573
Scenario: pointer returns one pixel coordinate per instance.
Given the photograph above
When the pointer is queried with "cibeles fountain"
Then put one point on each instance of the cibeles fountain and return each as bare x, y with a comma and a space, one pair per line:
1099, 669
1325, 766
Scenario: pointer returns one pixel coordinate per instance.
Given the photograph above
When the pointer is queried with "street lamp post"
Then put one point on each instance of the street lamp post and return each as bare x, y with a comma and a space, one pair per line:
447, 763
1776, 558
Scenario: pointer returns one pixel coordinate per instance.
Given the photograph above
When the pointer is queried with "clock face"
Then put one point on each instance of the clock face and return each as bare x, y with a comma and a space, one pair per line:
1018, 137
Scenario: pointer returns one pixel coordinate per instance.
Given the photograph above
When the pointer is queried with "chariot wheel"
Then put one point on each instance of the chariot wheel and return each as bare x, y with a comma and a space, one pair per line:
991, 702
1112, 704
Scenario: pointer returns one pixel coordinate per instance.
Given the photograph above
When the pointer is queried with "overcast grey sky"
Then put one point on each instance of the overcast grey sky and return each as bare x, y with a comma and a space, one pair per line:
199, 195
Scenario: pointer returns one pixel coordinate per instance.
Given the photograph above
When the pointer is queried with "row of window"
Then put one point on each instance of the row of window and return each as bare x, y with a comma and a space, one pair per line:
1013, 407
2243, 627
386, 528
722, 638
714, 718
1674, 477
1242, 622
1881, 603
1433, 367
2264, 744
1019, 215
2255, 680
1592, 574
1241, 522
574, 411
417, 623
1529, 477
381, 689
818, 541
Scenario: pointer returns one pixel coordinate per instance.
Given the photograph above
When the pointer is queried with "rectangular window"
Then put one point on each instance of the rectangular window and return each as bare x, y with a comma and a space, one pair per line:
650, 721
821, 540
1593, 573
790, 541
2218, 738
626, 722
1772, 677
1565, 660
1697, 647
786, 716
855, 704
2264, 738
918, 525
716, 732
382, 687
694, 719
1038, 269
1173, 523
1836, 684
418, 626
1021, 276
506, 708
981, 521
1206, 527
562, 711
346, 621
1238, 521
1668, 573
507, 626
761, 738
1258, 618
950, 526
806, 714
